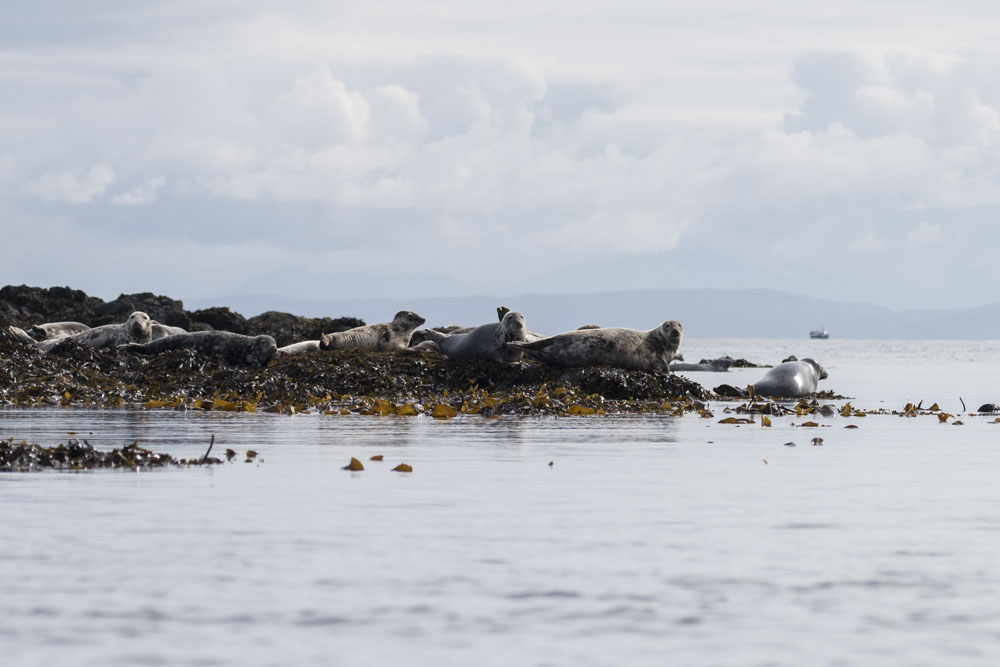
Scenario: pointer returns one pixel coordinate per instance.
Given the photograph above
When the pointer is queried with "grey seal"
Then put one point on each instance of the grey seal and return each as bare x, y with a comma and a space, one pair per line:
488, 341
56, 330
529, 336
162, 330
789, 379
383, 337
631, 349
719, 365
299, 348
231, 347
136, 329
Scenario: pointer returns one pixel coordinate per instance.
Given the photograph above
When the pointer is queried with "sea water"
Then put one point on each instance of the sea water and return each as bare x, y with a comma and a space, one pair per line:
644, 539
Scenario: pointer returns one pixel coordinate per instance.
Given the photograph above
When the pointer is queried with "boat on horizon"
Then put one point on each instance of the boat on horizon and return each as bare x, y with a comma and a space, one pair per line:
819, 333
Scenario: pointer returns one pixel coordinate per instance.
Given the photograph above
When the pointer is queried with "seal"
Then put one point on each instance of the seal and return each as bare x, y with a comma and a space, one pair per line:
383, 337
720, 365
528, 335
789, 379
630, 349
299, 348
488, 341
56, 330
233, 348
162, 330
136, 329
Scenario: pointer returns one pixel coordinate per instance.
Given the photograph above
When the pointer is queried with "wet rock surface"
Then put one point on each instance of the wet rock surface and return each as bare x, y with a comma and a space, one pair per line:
341, 382
350, 380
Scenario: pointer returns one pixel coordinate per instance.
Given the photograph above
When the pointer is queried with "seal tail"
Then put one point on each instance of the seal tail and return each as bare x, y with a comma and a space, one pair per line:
19, 334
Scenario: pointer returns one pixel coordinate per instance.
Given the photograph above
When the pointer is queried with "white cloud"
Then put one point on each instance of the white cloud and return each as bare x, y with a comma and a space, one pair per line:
73, 186
144, 193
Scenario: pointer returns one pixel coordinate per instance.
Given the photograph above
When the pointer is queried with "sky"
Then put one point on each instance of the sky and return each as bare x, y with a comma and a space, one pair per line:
382, 149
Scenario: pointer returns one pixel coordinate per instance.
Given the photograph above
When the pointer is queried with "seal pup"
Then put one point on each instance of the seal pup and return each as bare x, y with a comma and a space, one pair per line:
231, 347
164, 330
488, 341
136, 329
383, 337
614, 346
301, 347
789, 379
49, 330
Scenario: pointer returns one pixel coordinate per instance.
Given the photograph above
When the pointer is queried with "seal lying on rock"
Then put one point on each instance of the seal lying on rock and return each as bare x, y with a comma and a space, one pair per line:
719, 365
529, 336
162, 330
622, 348
136, 329
488, 341
383, 337
56, 330
299, 348
231, 347
789, 379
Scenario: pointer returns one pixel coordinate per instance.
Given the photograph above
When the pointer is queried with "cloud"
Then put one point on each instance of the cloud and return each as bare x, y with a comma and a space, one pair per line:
144, 193
73, 186
412, 151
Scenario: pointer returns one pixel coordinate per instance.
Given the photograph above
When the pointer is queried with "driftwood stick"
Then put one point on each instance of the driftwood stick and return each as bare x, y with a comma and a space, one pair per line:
963, 403
205, 458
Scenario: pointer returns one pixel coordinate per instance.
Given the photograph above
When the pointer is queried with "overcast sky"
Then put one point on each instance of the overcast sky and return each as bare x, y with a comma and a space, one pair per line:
845, 150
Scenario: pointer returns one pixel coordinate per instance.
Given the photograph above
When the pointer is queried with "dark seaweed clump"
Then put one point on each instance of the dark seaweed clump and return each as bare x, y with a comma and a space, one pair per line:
77, 455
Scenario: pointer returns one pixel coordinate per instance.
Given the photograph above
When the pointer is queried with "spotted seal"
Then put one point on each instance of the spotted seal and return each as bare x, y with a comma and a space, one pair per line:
623, 348
232, 348
383, 337
488, 341
56, 330
789, 379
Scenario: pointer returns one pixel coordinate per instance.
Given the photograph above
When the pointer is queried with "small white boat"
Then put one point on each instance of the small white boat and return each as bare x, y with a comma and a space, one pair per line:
819, 333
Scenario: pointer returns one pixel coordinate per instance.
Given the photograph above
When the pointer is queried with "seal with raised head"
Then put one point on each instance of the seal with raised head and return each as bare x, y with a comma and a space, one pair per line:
631, 349
56, 330
232, 348
488, 341
136, 329
789, 379
382, 337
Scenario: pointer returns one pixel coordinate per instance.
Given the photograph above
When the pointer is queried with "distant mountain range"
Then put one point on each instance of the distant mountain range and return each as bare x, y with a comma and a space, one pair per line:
705, 313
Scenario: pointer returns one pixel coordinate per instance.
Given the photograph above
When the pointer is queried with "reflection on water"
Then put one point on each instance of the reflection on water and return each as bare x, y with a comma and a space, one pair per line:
648, 540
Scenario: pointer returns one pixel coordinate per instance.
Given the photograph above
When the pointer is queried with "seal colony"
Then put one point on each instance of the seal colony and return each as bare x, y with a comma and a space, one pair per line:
145, 360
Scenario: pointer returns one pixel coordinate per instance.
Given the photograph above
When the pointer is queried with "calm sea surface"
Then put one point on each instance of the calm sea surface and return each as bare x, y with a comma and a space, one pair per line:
649, 540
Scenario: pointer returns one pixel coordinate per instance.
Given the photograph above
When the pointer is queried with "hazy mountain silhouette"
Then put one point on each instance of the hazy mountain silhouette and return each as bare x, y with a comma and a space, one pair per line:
757, 313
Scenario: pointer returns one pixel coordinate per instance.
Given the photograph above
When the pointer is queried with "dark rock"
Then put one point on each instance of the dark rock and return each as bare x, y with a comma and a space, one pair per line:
219, 318
160, 308
287, 329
